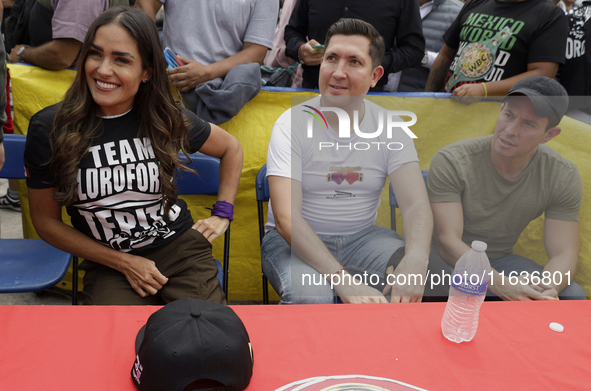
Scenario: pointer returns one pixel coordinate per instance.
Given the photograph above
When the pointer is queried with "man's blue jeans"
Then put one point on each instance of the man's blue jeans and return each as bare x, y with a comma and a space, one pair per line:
367, 251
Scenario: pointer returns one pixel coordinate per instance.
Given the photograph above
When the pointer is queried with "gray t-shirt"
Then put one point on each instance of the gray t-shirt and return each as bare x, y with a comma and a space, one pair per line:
210, 31
497, 210
72, 18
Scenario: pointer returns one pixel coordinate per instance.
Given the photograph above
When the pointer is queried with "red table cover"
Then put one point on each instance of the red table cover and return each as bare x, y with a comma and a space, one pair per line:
92, 348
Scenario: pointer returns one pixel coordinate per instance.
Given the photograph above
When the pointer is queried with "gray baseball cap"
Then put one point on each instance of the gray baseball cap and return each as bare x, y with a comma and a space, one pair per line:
546, 95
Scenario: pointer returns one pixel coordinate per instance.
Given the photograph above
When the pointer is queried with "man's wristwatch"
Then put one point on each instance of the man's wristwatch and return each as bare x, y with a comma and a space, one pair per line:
19, 53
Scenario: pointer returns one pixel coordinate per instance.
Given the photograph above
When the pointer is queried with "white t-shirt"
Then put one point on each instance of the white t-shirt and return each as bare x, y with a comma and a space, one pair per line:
342, 178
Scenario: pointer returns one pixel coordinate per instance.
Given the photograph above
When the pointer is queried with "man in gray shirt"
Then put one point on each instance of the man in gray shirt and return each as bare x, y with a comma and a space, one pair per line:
213, 37
489, 188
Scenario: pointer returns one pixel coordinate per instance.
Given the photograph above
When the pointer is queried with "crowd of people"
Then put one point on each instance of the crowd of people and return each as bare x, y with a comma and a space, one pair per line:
108, 151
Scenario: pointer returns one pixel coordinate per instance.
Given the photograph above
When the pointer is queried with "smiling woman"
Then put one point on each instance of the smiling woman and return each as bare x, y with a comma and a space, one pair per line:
108, 153
114, 69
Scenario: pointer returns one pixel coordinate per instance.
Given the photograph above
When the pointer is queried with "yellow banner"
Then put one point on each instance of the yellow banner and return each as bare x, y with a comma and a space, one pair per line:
440, 123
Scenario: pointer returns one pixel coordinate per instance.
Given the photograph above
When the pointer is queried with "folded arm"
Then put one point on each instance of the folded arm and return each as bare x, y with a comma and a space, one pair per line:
193, 73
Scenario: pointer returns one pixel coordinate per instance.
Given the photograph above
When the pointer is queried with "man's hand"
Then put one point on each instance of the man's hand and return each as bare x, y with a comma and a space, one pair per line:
548, 292
414, 287
468, 93
189, 76
13, 57
521, 290
143, 275
309, 55
356, 294
212, 227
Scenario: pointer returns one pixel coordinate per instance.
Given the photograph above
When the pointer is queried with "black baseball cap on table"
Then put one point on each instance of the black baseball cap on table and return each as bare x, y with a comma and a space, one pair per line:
196, 343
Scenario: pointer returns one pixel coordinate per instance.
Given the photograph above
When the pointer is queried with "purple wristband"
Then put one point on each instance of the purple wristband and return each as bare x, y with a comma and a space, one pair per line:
223, 209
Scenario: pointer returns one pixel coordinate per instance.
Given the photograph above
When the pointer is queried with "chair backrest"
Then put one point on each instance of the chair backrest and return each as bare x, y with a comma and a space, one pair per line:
39, 265
394, 203
262, 185
14, 153
205, 182
207, 179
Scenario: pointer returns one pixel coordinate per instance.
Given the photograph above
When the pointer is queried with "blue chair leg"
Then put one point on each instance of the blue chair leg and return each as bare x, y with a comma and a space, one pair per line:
220, 275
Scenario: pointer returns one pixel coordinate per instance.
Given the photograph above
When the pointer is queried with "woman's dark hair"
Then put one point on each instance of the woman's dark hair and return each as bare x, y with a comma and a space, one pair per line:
349, 26
78, 121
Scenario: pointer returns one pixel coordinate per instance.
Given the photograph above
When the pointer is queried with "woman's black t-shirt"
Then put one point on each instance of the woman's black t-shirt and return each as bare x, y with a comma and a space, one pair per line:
119, 201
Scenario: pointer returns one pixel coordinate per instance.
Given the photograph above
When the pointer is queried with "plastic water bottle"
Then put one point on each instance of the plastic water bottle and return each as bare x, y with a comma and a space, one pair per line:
466, 294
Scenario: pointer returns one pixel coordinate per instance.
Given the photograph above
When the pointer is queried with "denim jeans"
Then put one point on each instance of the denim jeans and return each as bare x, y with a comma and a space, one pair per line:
508, 264
298, 283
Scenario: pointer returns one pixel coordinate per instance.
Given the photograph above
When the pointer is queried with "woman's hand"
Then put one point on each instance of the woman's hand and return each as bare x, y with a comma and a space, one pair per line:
212, 227
142, 274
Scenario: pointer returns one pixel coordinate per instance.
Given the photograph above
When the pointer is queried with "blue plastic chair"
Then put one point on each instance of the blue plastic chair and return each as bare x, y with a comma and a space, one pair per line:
262, 189
206, 182
394, 203
30, 265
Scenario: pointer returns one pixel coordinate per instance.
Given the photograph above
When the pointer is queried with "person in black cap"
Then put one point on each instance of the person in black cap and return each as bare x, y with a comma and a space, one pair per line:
489, 188
193, 344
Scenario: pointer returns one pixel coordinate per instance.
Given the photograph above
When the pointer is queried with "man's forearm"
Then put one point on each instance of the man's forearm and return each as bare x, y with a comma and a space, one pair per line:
436, 79
501, 88
307, 245
560, 271
450, 249
292, 45
562, 240
251, 53
418, 230
53, 55
296, 31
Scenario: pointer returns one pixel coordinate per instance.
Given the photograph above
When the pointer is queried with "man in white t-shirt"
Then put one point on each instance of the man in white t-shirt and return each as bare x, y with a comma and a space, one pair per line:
327, 166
